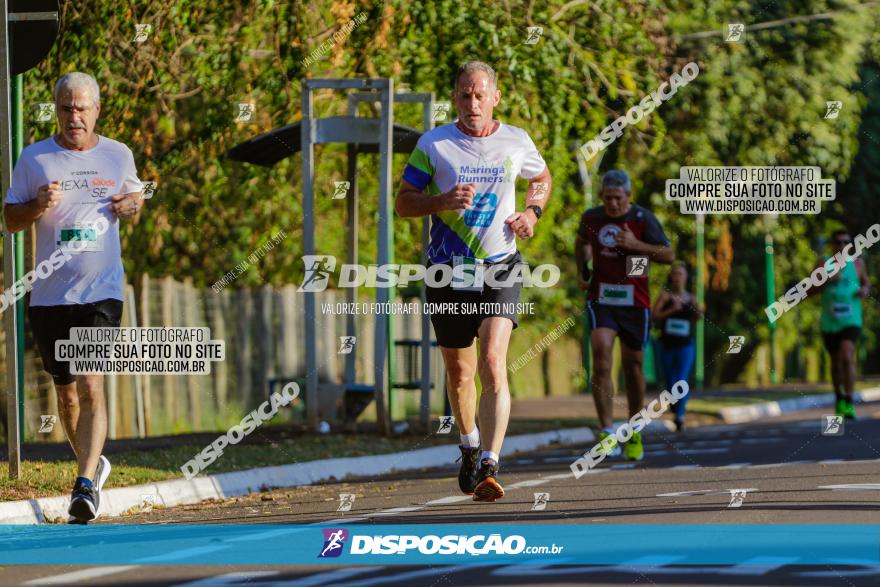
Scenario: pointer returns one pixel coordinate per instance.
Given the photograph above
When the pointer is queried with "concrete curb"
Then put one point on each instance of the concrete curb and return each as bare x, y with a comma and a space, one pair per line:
223, 485
742, 414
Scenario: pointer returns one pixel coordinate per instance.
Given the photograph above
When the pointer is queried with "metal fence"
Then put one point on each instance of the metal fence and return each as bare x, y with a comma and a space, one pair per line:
262, 329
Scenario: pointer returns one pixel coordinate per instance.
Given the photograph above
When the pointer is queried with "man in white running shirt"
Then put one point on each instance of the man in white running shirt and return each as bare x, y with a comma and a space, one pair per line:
463, 174
74, 187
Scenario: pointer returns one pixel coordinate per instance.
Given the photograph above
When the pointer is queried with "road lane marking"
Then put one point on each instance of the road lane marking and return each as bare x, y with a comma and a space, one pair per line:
701, 492
450, 499
528, 483
83, 575
853, 487
338, 521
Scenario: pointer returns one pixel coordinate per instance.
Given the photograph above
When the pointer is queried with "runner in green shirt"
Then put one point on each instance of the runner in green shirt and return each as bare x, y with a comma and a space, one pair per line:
841, 321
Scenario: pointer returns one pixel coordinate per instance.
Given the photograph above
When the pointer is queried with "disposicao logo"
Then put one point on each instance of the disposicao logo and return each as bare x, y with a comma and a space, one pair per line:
334, 540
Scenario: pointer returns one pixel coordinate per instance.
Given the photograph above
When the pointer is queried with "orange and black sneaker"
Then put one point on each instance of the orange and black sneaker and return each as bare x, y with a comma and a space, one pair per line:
488, 489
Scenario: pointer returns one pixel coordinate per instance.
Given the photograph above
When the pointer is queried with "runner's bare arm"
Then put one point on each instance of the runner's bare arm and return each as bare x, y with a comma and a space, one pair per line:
20, 216
864, 282
657, 253
582, 253
540, 188
411, 201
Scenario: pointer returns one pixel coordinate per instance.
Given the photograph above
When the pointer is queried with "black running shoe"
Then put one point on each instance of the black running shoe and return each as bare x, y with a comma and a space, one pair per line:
82, 504
467, 474
488, 489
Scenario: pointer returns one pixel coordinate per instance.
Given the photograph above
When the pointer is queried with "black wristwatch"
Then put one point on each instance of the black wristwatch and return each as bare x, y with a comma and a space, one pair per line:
536, 209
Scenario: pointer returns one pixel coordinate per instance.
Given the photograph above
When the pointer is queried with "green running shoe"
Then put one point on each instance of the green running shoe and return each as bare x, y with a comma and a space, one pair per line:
611, 448
849, 410
840, 407
633, 449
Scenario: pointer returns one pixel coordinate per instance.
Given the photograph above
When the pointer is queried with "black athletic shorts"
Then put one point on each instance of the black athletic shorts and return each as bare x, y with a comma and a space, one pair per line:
631, 324
51, 323
832, 340
457, 330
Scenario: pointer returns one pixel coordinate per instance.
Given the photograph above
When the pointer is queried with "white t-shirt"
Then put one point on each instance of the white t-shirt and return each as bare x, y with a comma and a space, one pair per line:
444, 157
88, 180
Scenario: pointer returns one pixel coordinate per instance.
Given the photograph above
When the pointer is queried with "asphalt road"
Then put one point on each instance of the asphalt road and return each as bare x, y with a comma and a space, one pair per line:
783, 469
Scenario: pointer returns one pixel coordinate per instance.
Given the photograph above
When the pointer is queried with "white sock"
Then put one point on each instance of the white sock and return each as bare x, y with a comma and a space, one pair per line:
472, 439
487, 454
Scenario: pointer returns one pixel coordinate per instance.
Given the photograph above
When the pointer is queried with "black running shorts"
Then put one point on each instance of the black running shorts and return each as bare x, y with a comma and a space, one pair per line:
457, 329
631, 324
51, 323
832, 340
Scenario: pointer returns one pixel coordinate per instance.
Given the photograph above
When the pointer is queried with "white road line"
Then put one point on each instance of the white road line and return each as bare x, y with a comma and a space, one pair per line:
450, 499
685, 467
181, 554
853, 487
83, 575
735, 466
701, 492
326, 578
395, 511
338, 521
228, 579
832, 461
768, 465
620, 466
528, 483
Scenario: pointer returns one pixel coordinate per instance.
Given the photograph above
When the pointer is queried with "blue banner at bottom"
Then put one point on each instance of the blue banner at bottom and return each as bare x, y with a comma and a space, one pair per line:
547, 544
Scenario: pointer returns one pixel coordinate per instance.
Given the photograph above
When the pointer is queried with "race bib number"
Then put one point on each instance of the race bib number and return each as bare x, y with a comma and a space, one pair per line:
82, 237
612, 294
467, 273
677, 327
842, 310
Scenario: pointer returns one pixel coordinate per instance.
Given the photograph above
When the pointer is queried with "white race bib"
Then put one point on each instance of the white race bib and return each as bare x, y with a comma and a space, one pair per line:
467, 273
677, 327
613, 294
81, 237
842, 310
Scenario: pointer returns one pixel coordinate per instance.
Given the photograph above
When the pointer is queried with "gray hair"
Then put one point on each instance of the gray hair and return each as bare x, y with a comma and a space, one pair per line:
76, 80
473, 66
616, 178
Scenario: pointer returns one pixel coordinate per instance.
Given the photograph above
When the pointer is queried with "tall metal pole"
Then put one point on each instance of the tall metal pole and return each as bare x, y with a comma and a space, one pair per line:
308, 178
700, 367
770, 280
17, 146
13, 388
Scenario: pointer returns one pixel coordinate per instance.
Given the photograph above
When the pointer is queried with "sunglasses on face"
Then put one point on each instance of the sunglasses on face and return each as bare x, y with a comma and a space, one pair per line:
842, 242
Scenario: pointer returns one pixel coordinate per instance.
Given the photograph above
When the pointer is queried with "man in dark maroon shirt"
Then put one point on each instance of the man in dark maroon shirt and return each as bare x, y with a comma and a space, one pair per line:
622, 239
